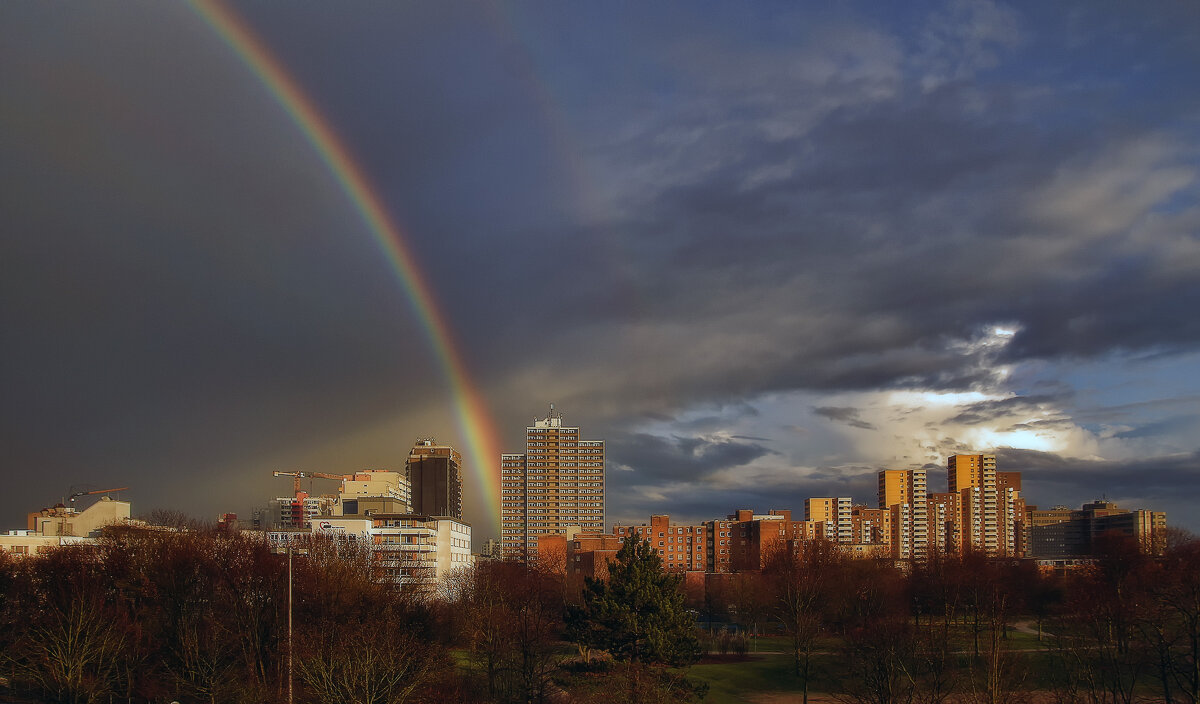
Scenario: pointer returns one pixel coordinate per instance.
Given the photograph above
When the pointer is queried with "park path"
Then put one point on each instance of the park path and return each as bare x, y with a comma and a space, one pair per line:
1034, 697
1028, 627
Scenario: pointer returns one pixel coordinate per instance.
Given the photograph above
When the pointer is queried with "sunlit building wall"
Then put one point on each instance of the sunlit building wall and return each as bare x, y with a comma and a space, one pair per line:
557, 483
973, 477
905, 493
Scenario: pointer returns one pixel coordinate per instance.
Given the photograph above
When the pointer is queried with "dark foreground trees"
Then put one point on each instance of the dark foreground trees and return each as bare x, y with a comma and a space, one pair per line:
150, 616
638, 616
202, 617
510, 621
803, 577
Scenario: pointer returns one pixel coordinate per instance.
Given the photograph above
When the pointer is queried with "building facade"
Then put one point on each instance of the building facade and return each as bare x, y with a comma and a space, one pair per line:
557, 483
945, 523
682, 548
1062, 533
412, 550
371, 491
904, 492
835, 516
65, 525
434, 474
872, 526
973, 478
1012, 533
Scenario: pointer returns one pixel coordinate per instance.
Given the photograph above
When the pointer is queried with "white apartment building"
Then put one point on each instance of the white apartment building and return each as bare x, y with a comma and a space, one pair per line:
408, 549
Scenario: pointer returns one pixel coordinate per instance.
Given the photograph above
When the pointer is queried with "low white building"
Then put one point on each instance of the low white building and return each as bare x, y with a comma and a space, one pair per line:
406, 548
64, 525
28, 542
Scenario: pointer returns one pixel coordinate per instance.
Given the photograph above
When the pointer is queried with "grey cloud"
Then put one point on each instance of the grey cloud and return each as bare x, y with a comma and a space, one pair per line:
700, 502
687, 223
1153, 476
656, 458
1179, 425
1053, 424
992, 410
848, 416
965, 37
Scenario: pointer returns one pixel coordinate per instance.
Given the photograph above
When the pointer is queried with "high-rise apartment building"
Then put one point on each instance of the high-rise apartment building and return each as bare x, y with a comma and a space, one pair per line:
973, 478
872, 526
834, 514
435, 479
1012, 533
945, 523
719, 542
558, 482
905, 493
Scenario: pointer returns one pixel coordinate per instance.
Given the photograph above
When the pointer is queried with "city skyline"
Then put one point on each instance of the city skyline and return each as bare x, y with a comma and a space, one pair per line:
762, 251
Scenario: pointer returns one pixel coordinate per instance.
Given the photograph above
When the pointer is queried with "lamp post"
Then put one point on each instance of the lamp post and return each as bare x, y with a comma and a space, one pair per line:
289, 649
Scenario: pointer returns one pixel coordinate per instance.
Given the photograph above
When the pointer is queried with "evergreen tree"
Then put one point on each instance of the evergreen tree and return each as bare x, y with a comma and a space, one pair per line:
637, 614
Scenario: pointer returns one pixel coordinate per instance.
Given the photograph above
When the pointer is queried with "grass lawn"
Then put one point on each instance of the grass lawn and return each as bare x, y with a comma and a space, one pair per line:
734, 681
741, 680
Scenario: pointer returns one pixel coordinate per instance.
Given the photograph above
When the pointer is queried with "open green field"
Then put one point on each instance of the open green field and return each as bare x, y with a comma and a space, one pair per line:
764, 674
734, 680
737, 681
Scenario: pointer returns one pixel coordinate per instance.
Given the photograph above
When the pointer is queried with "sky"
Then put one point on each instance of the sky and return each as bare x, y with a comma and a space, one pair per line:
762, 249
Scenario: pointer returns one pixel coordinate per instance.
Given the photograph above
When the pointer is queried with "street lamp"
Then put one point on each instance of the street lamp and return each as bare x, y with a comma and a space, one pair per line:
289, 650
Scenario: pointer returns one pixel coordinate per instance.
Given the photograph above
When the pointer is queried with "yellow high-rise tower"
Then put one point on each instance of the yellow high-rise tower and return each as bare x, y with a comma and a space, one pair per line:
973, 478
904, 492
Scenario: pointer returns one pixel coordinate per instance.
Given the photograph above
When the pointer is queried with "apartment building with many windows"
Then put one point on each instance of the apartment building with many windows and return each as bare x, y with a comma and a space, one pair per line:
556, 484
973, 478
682, 548
904, 492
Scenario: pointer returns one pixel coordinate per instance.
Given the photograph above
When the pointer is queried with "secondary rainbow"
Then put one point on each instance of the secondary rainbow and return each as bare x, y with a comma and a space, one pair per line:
470, 410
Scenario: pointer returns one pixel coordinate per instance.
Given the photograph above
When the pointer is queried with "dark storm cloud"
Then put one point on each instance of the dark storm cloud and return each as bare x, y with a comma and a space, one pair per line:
990, 411
1059, 424
634, 212
705, 501
1142, 476
174, 308
848, 416
843, 249
897, 224
679, 458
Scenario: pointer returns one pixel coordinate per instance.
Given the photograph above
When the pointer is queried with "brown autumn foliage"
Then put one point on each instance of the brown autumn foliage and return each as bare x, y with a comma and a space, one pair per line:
201, 616
512, 624
156, 616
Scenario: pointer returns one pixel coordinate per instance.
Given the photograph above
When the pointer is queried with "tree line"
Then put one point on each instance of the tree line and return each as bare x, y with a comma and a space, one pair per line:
202, 616
1124, 628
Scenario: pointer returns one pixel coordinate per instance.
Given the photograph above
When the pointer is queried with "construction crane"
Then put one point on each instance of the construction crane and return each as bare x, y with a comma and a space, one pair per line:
77, 494
297, 476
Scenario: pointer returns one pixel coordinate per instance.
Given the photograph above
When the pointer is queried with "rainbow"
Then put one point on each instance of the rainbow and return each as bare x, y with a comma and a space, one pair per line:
482, 446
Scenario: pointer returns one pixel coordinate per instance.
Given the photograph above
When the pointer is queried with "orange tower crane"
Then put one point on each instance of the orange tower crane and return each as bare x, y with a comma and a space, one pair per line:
297, 476
77, 494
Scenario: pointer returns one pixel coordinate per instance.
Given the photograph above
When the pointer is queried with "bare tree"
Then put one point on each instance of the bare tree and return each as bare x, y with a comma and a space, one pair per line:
800, 577
172, 518
252, 592
75, 641
751, 598
372, 662
880, 651
1101, 649
513, 624
1176, 622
